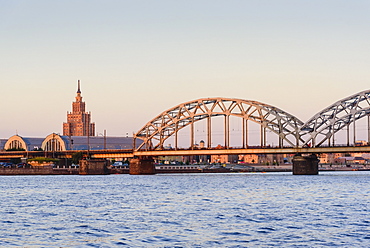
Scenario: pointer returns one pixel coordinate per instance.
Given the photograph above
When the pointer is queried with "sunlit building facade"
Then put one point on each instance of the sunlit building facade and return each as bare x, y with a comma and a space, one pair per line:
17, 142
78, 121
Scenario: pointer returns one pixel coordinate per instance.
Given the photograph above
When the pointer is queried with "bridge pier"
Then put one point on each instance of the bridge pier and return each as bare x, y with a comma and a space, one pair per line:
308, 165
93, 167
142, 166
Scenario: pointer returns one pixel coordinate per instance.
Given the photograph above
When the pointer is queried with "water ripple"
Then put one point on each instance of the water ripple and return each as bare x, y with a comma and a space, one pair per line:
249, 210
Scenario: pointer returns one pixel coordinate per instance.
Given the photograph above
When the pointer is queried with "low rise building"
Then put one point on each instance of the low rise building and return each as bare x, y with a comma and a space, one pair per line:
353, 160
56, 142
323, 158
248, 158
17, 142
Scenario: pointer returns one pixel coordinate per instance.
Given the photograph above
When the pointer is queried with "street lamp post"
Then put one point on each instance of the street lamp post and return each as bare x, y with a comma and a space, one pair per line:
105, 138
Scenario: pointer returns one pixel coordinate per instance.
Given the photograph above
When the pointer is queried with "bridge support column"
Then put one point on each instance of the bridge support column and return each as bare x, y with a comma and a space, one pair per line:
93, 167
308, 165
142, 166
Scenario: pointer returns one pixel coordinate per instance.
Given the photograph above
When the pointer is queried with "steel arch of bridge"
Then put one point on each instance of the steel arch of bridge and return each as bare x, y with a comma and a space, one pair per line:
170, 122
338, 116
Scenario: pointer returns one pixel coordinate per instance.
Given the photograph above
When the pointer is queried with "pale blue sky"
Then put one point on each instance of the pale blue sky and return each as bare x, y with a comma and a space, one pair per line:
136, 59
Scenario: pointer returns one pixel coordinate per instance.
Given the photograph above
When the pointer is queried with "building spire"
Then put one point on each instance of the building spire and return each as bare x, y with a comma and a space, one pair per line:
78, 90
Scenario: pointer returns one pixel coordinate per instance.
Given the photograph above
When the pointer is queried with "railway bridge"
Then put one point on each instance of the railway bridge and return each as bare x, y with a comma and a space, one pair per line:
292, 134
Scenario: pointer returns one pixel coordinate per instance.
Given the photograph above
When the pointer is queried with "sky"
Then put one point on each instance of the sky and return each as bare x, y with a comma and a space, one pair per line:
136, 59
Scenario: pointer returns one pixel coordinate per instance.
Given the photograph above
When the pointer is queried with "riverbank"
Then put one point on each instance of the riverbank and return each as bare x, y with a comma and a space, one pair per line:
47, 170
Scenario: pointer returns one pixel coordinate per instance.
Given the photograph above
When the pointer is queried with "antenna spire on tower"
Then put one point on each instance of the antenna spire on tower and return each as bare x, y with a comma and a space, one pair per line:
78, 90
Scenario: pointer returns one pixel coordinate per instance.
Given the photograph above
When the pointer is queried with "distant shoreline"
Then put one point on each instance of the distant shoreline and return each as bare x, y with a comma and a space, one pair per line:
229, 169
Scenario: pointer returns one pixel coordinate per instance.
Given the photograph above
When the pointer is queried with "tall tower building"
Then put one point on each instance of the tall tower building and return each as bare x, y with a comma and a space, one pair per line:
78, 121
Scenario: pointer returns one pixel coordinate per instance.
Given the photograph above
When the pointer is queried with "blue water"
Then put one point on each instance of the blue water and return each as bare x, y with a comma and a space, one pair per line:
186, 210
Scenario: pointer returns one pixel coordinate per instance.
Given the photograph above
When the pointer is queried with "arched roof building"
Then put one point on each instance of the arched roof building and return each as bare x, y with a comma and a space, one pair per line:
56, 142
17, 142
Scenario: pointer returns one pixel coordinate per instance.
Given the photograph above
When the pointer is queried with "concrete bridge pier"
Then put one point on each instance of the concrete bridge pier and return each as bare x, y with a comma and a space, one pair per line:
305, 165
93, 167
142, 166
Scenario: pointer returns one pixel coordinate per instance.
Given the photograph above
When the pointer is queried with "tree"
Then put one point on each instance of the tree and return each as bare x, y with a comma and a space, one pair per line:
76, 157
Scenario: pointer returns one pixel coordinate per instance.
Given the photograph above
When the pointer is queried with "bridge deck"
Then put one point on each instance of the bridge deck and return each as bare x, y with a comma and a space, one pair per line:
342, 149
185, 152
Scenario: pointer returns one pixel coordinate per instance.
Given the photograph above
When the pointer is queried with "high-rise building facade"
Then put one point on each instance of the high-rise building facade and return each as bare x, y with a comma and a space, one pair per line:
78, 121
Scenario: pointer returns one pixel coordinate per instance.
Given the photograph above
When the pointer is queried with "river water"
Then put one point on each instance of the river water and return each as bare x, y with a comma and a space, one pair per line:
186, 210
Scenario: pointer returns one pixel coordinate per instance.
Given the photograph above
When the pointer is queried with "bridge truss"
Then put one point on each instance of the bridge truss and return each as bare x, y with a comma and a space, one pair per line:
170, 122
341, 115
321, 128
